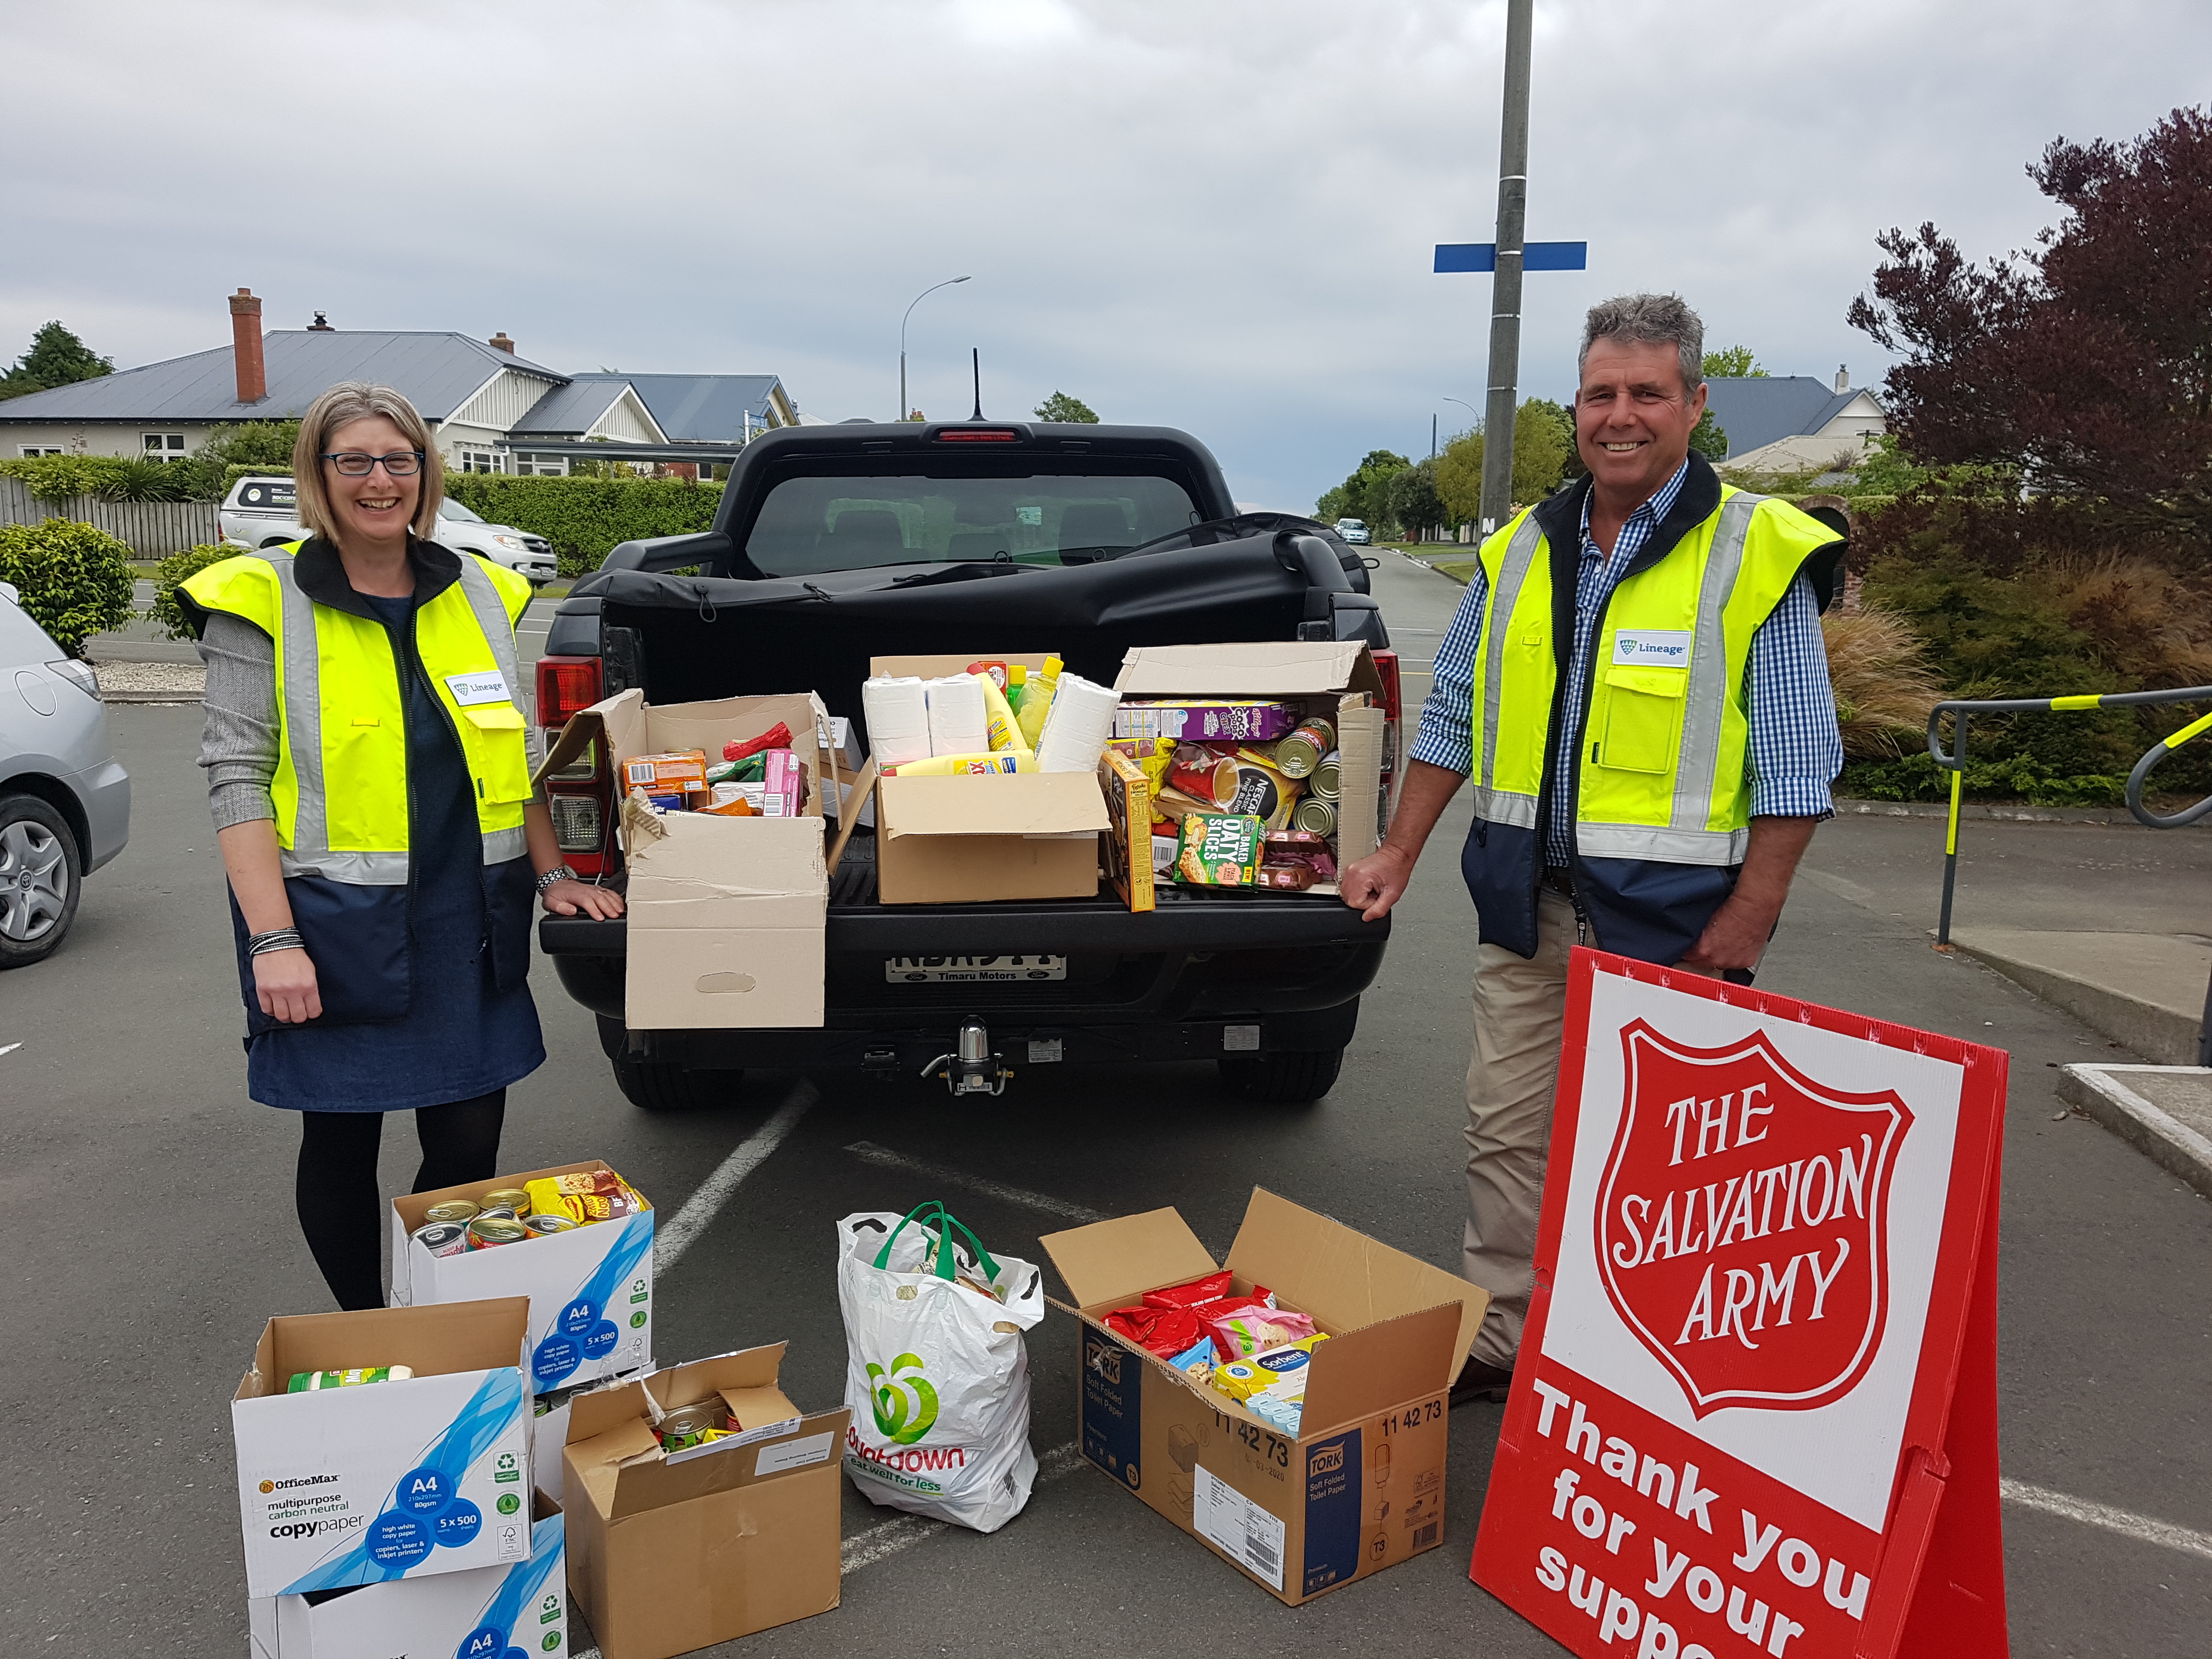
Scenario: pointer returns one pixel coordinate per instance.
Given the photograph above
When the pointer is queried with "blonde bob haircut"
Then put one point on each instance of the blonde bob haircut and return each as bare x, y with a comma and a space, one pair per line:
359, 400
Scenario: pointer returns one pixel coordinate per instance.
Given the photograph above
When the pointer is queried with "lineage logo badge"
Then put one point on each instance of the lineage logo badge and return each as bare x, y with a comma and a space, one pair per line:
1742, 1222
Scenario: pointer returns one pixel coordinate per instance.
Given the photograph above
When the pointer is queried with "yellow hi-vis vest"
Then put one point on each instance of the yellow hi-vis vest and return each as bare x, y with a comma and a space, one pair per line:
1662, 770
340, 790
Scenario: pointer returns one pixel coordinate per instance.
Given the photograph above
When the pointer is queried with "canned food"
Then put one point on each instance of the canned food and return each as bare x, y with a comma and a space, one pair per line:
443, 1237
312, 1381
1316, 815
506, 1198
487, 1233
497, 1212
1327, 777
545, 1226
691, 1425
453, 1209
1299, 754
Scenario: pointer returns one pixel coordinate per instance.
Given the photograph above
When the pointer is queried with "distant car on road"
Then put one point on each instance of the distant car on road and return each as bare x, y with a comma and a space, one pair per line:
264, 511
65, 798
1353, 531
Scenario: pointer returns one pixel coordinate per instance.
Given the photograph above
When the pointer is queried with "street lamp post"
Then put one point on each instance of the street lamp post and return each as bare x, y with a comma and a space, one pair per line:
918, 299
1465, 405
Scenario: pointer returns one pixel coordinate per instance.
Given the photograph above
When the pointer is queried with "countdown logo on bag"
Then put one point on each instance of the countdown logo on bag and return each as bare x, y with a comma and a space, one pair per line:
1741, 1222
905, 1406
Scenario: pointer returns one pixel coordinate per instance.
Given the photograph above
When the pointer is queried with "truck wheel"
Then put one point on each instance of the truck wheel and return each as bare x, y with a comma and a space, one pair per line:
656, 1086
1282, 1079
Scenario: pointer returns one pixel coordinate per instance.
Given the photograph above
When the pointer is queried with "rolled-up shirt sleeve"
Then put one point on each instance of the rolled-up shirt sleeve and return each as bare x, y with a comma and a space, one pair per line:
1796, 749
237, 743
1446, 737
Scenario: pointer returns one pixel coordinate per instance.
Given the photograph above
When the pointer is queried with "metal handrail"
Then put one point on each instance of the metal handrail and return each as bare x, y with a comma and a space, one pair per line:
1963, 710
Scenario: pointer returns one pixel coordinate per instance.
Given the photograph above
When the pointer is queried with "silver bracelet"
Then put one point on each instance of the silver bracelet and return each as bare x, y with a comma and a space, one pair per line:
558, 873
276, 938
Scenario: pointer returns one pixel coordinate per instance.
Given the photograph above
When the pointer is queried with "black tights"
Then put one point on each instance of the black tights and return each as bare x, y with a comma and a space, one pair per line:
340, 1210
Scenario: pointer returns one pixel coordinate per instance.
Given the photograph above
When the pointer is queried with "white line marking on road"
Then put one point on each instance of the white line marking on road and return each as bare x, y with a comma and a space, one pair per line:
2141, 1528
11, 1048
700, 1210
868, 1153
880, 1543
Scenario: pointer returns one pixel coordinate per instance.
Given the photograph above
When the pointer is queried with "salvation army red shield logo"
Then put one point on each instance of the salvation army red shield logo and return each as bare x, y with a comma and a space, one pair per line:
1742, 1222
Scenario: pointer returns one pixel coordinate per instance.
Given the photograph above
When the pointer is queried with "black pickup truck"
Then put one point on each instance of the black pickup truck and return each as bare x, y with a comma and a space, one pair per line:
834, 544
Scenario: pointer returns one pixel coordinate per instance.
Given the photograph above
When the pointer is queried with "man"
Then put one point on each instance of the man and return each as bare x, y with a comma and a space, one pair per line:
1636, 681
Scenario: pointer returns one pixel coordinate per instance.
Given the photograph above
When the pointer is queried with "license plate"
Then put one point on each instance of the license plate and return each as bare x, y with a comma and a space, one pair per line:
941, 970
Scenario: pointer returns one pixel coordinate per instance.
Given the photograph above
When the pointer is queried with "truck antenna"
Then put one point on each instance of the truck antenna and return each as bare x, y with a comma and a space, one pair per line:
976, 362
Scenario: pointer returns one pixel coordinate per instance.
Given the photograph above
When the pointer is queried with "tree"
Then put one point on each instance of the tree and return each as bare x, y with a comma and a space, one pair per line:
1732, 363
263, 446
1543, 446
1365, 495
1412, 501
2083, 361
57, 357
1061, 407
1709, 437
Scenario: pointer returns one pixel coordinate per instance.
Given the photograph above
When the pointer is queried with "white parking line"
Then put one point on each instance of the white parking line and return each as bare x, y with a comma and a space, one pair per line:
11, 1048
700, 1210
2141, 1528
881, 1543
868, 1153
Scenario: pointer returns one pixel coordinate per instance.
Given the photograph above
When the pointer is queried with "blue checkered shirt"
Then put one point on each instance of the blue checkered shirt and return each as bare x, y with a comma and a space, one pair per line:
1795, 749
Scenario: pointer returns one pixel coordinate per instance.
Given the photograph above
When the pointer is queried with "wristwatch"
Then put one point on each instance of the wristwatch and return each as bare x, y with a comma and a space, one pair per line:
560, 873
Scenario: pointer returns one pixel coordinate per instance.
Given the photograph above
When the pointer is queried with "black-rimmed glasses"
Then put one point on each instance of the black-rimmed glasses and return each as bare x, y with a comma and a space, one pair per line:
400, 463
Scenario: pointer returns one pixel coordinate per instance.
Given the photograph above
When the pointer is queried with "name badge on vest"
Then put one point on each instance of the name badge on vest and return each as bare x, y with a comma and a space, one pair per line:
1652, 647
491, 686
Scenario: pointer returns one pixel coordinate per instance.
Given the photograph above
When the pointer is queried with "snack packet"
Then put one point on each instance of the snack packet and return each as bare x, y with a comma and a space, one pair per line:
1218, 850
585, 1196
1241, 1334
1163, 1331
1211, 1288
1195, 1362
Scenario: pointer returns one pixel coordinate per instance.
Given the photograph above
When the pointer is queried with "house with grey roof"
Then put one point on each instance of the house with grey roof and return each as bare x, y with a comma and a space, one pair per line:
489, 410
1790, 422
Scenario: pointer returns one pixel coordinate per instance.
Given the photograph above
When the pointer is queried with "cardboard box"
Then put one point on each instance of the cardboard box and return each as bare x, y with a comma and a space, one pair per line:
1362, 1485
590, 1288
487, 1612
386, 1479
725, 914
950, 841
671, 1552
1334, 679
1128, 842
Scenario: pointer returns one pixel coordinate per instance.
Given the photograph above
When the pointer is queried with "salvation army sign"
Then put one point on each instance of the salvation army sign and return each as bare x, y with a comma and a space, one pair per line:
1768, 1284
1755, 1409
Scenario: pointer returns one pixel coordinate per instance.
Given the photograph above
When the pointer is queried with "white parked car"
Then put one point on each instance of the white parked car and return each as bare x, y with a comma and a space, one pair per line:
1353, 531
264, 511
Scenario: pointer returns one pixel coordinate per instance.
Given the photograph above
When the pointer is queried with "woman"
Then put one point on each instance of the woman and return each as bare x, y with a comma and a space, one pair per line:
369, 765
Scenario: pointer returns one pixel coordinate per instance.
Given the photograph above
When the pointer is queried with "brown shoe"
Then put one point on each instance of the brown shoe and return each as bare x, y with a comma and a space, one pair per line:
1478, 1381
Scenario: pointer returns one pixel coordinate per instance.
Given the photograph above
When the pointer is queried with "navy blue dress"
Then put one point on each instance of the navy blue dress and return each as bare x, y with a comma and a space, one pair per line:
462, 1036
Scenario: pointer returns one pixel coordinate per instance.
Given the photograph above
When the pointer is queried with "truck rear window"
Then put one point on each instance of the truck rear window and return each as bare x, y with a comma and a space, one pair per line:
268, 495
808, 526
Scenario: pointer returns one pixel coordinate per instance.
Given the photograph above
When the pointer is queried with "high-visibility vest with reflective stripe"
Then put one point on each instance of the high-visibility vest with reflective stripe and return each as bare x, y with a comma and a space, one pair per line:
1662, 772
340, 800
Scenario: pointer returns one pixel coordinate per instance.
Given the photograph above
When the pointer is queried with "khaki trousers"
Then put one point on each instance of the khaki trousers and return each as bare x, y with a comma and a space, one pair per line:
1520, 1009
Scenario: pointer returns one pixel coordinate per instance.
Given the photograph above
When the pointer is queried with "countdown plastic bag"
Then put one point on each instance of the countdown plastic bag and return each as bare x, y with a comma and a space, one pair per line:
936, 1373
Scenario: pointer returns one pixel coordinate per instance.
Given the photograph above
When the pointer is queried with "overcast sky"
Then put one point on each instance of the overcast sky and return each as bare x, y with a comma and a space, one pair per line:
1212, 214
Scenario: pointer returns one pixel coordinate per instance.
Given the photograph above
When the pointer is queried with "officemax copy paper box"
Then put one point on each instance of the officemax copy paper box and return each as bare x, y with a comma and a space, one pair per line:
725, 916
590, 1288
487, 1612
1361, 1486
673, 1550
383, 1480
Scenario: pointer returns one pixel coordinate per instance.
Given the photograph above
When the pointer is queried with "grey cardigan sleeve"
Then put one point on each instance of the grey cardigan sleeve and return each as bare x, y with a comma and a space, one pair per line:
238, 745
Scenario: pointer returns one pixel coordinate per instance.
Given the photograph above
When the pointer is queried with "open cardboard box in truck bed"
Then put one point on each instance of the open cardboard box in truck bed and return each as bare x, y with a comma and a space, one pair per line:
1361, 1487
725, 914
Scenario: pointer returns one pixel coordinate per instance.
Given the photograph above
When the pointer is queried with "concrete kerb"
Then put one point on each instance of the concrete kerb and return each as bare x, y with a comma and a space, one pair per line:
2113, 1095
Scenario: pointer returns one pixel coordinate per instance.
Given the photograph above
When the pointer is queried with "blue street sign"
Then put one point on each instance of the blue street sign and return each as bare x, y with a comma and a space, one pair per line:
1535, 256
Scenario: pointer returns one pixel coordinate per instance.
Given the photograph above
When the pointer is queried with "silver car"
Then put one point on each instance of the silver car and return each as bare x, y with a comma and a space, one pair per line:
264, 511
65, 798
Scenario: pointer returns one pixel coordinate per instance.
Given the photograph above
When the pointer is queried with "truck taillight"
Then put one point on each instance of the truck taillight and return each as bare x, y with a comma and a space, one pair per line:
1386, 665
579, 822
566, 686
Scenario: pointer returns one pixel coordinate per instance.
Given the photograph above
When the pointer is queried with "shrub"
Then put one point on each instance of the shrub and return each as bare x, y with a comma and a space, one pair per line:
586, 519
1883, 688
74, 580
170, 574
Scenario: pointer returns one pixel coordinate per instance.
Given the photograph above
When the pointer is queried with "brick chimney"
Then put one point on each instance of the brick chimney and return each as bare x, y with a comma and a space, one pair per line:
499, 341
245, 346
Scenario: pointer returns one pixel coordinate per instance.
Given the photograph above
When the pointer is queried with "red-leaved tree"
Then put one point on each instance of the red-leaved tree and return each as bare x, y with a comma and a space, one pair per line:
2085, 361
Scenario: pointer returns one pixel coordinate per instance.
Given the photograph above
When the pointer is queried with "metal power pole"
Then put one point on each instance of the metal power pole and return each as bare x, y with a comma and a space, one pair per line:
1505, 288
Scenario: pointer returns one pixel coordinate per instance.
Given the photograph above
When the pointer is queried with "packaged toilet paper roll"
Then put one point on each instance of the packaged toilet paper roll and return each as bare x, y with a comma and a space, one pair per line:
957, 726
1076, 730
898, 710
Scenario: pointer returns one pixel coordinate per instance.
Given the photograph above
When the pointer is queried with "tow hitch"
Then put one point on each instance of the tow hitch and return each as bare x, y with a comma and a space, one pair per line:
974, 1069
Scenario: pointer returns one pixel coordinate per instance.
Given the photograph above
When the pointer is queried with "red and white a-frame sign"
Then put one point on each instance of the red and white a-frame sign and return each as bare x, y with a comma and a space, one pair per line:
1755, 1406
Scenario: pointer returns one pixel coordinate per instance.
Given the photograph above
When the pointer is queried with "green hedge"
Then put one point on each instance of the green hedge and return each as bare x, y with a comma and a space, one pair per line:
169, 575
75, 580
587, 519
106, 478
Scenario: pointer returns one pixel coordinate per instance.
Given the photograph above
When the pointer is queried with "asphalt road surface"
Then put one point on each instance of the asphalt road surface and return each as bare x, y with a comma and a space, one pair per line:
150, 1233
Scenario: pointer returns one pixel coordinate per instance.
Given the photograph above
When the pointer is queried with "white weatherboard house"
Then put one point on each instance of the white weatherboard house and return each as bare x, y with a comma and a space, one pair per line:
478, 396
1790, 422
